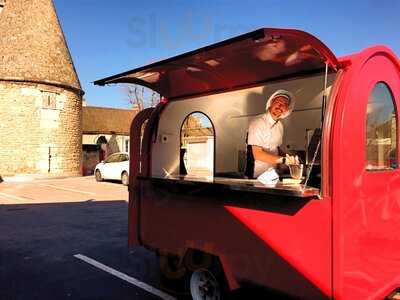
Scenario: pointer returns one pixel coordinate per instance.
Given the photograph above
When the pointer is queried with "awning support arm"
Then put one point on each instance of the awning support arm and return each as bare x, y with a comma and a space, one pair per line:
324, 98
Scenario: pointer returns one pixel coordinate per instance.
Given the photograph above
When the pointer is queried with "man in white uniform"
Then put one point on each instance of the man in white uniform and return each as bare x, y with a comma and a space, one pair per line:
266, 132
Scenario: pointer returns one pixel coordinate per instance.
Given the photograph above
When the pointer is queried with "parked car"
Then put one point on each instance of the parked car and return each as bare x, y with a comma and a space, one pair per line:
116, 167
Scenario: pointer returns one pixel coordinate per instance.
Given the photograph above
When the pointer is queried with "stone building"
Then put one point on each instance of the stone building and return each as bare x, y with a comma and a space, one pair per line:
105, 131
40, 93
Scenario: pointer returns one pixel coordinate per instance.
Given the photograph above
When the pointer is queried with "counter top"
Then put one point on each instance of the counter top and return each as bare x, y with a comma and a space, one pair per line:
294, 190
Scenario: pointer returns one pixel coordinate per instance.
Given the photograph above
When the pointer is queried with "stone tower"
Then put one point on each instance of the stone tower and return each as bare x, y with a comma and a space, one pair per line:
40, 93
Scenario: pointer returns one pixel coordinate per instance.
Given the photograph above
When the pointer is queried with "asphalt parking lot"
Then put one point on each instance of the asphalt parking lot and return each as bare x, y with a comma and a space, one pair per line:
47, 225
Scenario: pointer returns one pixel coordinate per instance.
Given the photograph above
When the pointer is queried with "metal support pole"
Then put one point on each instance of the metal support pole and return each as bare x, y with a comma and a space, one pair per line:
324, 98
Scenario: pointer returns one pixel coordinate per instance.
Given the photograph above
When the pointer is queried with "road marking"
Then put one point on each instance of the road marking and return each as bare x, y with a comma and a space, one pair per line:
125, 277
67, 189
13, 197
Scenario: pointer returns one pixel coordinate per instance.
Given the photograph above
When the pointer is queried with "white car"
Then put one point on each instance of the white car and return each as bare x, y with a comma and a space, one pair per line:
116, 167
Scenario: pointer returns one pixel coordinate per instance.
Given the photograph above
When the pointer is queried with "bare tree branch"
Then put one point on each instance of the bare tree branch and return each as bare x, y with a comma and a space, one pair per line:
139, 97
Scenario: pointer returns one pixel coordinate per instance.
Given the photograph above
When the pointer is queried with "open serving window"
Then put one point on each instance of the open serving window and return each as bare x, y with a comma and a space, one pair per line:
214, 92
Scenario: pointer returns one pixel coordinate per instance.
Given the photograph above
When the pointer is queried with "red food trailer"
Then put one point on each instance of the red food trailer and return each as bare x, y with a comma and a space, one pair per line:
335, 235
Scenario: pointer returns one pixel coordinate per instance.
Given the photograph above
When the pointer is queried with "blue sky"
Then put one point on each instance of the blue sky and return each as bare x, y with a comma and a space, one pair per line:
108, 37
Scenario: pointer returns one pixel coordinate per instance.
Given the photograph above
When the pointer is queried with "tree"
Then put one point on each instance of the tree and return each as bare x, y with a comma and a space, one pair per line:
140, 97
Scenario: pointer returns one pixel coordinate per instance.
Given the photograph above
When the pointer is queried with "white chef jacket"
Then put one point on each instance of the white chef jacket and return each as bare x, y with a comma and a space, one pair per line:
265, 132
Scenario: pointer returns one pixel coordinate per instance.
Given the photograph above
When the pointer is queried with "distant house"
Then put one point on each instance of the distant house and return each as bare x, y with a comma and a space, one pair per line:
104, 131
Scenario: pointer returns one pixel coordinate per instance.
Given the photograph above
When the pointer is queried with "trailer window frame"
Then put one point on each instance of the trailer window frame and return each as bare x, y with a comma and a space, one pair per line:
387, 162
214, 136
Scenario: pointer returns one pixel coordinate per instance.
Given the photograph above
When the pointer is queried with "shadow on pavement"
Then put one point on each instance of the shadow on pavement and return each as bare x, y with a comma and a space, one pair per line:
38, 241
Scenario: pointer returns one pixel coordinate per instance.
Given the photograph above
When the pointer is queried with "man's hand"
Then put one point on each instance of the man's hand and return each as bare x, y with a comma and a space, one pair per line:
292, 160
261, 155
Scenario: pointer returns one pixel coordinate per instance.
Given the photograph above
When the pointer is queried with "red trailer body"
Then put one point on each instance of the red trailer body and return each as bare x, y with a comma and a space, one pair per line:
342, 242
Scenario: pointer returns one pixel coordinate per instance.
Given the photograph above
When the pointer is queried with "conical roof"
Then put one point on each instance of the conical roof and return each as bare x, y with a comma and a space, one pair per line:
32, 44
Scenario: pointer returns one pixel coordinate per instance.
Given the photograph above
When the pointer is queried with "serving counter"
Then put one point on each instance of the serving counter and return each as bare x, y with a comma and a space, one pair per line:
239, 184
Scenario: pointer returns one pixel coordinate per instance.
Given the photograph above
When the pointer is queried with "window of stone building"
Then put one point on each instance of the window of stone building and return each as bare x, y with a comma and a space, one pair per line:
49, 100
127, 145
381, 142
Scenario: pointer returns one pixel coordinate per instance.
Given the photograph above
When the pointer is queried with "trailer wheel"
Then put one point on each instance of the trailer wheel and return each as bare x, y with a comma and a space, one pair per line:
209, 283
204, 285
178, 277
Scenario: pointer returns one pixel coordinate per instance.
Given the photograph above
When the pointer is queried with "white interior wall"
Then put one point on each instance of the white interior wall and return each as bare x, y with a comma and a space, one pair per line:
230, 114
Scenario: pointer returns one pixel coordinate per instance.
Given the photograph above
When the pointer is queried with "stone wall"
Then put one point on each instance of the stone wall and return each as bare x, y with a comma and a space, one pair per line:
34, 118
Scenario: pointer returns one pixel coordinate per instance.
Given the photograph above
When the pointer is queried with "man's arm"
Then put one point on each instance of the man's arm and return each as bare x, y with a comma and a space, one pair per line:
261, 155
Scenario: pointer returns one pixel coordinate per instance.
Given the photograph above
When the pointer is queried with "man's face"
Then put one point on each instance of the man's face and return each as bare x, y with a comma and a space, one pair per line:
278, 107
